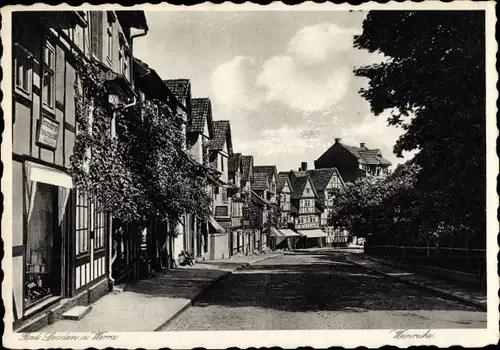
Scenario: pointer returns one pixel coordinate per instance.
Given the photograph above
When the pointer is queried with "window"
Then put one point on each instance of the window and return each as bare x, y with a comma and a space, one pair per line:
125, 66
222, 163
48, 88
98, 226
224, 195
82, 220
121, 58
110, 41
96, 28
22, 69
90, 224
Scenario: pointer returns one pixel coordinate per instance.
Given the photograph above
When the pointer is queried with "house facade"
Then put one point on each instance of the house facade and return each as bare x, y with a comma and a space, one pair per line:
221, 149
61, 240
353, 162
252, 236
306, 208
325, 182
240, 196
265, 185
284, 193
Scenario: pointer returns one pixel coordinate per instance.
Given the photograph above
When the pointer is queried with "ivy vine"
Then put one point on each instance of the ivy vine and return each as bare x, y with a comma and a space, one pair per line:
144, 170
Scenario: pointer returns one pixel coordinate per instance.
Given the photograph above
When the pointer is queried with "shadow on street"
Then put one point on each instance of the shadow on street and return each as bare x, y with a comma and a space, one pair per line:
319, 281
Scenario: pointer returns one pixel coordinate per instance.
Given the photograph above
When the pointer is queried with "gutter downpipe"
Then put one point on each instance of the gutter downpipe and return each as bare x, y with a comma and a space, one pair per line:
133, 103
113, 256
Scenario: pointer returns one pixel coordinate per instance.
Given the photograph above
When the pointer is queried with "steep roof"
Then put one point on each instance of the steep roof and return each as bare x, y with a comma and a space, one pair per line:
269, 170
201, 113
363, 154
179, 87
247, 164
260, 182
283, 178
321, 178
234, 163
222, 134
299, 180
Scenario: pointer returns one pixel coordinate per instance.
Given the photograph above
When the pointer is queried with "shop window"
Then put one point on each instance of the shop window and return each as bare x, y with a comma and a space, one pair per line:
22, 69
48, 88
42, 248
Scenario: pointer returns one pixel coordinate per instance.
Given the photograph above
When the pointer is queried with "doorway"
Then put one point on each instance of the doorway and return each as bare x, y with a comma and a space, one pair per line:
43, 267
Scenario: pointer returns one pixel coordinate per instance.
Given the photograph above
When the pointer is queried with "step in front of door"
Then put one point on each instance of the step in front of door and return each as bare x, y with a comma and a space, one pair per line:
76, 313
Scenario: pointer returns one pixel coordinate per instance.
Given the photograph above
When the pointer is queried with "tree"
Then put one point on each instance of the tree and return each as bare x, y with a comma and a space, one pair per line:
379, 206
434, 84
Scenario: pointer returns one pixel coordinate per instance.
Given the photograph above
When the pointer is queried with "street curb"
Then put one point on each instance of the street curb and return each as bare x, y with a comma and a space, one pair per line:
207, 286
466, 300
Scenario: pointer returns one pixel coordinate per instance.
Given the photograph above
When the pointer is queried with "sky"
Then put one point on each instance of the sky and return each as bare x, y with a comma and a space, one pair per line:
282, 78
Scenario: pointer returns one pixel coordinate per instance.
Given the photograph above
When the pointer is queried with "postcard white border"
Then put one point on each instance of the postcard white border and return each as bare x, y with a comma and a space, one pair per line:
284, 339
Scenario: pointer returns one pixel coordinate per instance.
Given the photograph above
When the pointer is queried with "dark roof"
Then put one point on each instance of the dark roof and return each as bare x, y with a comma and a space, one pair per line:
298, 184
269, 170
247, 164
134, 19
282, 179
179, 87
363, 154
299, 179
367, 156
234, 163
201, 111
152, 85
222, 135
260, 182
321, 178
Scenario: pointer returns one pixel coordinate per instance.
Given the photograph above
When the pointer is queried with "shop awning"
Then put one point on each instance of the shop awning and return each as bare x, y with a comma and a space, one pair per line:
275, 232
40, 173
289, 233
217, 227
283, 232
312, 233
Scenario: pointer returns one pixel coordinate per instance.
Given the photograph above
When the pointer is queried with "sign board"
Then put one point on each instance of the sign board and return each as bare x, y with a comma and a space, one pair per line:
48, 131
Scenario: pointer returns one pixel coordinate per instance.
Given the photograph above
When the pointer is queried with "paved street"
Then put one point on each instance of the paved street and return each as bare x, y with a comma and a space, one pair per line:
319, 290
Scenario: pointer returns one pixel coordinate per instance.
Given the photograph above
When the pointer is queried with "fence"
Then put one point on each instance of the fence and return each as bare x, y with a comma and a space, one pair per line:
459, 259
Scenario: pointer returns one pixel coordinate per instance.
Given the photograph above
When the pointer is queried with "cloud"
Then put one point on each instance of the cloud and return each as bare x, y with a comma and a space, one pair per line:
232, 83
319, 42
283, 141
284, 80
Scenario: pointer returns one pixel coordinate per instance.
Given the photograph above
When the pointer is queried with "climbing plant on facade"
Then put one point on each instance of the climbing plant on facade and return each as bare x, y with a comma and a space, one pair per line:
143, 170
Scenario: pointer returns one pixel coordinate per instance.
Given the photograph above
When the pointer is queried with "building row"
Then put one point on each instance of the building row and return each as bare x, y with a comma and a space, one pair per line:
65, 250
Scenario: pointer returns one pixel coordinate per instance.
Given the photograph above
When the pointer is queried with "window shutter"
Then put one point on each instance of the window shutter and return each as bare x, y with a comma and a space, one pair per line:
96, 20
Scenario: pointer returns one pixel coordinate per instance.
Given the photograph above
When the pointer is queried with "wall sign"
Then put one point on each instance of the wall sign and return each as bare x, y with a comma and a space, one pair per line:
48, 132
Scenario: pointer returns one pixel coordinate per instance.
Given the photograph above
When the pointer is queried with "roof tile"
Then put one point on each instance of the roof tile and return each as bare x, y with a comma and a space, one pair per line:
179, 87
222, 134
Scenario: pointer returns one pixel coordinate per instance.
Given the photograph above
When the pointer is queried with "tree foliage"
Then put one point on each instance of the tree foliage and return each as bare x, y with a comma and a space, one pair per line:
142, 172
379, 206
434, 82
254, 215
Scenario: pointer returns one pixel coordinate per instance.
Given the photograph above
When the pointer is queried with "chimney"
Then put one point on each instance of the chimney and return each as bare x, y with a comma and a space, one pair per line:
303, 166
362, 145
337, 140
